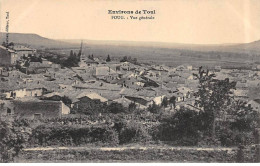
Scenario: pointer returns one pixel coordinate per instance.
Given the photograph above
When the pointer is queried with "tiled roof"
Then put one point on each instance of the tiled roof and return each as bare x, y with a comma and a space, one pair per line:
9, 50
92, 96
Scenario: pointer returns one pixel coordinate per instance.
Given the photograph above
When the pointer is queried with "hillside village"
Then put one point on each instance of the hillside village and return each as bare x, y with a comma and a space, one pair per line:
36, 88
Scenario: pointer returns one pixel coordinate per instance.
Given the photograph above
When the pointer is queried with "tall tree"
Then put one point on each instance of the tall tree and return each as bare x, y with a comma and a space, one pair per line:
165, 102
108, 58
213, 96
71, 53
173, 101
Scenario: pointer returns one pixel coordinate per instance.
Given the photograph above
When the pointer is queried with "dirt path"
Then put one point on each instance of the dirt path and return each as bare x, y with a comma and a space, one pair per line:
122, 148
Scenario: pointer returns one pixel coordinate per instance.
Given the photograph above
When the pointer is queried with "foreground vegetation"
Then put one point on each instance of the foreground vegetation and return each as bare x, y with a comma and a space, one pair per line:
131, 155
185, 127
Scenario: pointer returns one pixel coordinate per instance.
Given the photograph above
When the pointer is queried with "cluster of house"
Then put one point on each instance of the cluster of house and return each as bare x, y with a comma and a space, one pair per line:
96, 79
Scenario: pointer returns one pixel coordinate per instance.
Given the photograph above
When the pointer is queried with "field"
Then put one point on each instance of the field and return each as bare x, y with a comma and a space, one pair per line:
168, 56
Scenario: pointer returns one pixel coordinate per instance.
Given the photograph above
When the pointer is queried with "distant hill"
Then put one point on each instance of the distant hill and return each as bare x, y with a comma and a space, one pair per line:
34, 40
38, 41
249, 48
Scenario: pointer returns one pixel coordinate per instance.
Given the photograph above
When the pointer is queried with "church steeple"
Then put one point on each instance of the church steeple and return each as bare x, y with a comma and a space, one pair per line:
80, 51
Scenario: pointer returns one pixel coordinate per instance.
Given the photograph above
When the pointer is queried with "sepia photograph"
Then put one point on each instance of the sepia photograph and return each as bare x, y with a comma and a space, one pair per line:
129, 81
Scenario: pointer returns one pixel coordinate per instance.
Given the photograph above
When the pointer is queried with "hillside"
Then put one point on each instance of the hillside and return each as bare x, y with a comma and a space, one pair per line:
248, 48
34, 40
38, 41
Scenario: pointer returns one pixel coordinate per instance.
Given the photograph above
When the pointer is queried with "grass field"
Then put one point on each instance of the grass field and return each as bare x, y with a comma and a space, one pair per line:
167, 56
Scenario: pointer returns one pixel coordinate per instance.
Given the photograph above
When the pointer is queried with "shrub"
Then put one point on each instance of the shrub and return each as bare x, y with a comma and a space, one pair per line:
115, 108
181, 128
132, 132
13, 138
73, 135
230, 137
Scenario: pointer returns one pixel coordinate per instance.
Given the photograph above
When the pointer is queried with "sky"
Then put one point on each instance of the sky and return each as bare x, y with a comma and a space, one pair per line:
177, 21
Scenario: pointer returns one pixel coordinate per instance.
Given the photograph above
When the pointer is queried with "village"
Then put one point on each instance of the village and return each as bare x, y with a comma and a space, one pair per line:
36, 89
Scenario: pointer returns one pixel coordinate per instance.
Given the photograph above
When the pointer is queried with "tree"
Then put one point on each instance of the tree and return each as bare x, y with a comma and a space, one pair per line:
132, 107
115, 108
79, 54
172, 101
182, 127
245, 117
124, 59
72, 60
11, 44
108, 58
165, 102
71, 53
4, 44
154, 108
213, 96
27, 63
13, 138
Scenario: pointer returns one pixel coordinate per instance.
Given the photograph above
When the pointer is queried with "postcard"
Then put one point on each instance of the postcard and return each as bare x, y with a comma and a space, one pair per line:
129, 81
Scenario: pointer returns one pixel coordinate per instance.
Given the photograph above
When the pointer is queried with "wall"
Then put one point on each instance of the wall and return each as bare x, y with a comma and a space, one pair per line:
47, 109
5, 57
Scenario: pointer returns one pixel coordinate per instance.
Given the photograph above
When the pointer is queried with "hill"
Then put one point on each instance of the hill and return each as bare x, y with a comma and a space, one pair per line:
38, 41
34, 40
248, 48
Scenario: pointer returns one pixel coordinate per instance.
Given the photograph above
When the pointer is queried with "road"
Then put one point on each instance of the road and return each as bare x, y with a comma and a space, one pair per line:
122, 148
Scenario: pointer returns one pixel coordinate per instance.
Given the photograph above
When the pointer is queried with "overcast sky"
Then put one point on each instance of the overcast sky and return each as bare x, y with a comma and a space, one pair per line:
179, 21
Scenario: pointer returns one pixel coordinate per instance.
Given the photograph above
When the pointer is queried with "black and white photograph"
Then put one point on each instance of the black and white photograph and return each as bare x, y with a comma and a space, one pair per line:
129, 81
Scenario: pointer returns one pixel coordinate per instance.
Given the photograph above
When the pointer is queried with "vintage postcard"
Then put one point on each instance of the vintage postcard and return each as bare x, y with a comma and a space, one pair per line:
116, 81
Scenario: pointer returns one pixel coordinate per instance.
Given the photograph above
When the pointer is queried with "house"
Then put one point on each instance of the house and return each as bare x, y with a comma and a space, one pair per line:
179, 96
141, 102
18, 88
93, 96
89, 106
185, 91
124, 101
33, 109
87, 62
255, 104
218, 68
6, 108
158, 100
127, 66
23, 51
8, 57
240, 94
184, 67
105, 73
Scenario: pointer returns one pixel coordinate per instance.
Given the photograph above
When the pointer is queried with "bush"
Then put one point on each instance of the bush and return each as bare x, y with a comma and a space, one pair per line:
131, 132
13, 138
115, 108
73, 135
230, 137
181, 128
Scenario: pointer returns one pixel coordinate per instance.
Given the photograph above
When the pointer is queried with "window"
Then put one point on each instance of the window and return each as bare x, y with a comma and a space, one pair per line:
8, 111
37, 116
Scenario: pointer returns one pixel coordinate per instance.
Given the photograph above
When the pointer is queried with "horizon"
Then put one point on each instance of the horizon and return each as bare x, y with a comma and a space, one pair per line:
135, 41
203, 22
